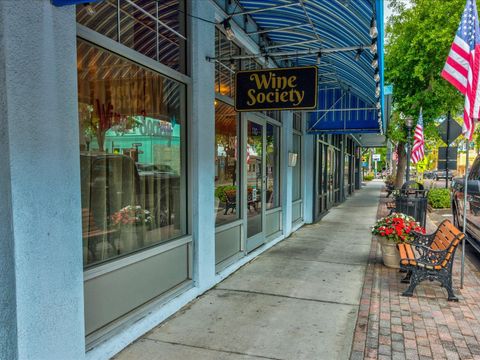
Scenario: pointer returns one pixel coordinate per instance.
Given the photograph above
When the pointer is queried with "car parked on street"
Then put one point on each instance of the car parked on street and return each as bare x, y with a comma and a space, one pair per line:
442, 175
472, 204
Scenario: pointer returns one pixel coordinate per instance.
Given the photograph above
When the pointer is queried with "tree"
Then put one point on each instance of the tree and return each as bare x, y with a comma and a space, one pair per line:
418, 42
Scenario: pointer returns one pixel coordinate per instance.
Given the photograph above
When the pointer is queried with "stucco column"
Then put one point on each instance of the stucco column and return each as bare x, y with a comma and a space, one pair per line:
40, 184
287, 171
308, 179
202, 141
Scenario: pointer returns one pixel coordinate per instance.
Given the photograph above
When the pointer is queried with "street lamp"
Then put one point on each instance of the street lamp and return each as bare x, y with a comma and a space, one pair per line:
409, 125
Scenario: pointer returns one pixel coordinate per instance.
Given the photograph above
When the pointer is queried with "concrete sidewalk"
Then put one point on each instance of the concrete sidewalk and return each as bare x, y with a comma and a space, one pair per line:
299, 300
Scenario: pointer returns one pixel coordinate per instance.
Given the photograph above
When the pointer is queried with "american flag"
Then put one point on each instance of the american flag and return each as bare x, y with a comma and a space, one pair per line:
462, 66
418, 151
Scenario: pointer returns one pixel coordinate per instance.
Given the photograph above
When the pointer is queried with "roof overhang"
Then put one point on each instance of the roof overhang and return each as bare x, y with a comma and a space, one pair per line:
335, 35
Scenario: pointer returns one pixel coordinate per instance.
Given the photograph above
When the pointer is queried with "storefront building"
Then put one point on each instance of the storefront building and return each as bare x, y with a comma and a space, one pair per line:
131, 184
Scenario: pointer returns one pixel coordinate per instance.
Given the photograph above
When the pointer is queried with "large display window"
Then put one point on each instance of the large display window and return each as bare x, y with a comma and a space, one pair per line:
155, 28
227, 199
131, 123
273, 166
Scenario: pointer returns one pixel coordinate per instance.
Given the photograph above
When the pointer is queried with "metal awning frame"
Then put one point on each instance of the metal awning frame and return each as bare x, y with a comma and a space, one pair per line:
290, 53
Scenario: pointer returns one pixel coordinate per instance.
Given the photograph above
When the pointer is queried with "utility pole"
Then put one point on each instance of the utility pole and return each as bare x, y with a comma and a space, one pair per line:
446, 151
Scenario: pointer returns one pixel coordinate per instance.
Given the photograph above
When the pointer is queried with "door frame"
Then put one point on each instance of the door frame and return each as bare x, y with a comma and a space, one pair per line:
258, 239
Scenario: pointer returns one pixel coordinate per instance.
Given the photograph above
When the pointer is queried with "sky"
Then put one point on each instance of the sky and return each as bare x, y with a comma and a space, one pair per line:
386, 10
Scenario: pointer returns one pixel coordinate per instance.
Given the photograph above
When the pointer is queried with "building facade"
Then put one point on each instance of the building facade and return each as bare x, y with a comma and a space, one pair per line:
130, 183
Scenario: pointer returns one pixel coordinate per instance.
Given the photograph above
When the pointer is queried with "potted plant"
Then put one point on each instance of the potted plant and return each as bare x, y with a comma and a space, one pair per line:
391, 230
131, 222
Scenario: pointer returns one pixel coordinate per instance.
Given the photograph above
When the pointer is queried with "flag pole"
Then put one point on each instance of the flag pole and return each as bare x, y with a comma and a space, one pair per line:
465, 190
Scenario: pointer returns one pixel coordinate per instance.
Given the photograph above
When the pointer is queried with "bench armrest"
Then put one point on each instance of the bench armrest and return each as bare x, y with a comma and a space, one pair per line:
428, 256
422, 239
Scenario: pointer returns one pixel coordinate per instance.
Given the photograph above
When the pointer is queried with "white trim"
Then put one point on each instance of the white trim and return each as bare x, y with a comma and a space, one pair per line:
141, 255
228, 226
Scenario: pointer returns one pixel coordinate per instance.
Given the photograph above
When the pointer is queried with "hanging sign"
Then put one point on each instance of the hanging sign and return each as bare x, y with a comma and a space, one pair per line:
276, 89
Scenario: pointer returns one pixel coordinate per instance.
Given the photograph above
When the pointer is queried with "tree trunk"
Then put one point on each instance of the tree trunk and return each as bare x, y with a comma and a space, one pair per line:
401, 166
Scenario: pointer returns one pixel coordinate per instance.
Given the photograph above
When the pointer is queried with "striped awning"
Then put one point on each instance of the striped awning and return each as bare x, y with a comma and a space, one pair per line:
347, 87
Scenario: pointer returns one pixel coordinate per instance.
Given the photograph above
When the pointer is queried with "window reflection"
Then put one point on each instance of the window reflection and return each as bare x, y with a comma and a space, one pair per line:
130, 121
139, 31
297, 169
226, 164
273, 174
254, 160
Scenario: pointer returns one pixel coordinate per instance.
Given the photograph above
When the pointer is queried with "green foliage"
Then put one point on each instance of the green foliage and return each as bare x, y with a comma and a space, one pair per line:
220, 192
419, 39
439, 198
368, 177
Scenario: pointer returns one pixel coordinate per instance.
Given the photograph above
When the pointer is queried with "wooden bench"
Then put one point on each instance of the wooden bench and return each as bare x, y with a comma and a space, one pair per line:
389, 189
91, 233
230, 200
430, 257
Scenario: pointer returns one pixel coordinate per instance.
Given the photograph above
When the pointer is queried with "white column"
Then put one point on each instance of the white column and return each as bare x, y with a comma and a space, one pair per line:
40, 184
287, 172
308, 179
202, 142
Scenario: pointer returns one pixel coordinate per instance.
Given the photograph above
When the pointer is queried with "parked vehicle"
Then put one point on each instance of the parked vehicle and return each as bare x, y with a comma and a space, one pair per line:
473, 201
428, 174
442, 175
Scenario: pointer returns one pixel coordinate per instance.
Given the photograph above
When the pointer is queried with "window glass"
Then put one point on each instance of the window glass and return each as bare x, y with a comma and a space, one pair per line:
100, 17
346, 170
227, 197
225, 70
297, 169
297, 121
138, 28
130, 121
273, 169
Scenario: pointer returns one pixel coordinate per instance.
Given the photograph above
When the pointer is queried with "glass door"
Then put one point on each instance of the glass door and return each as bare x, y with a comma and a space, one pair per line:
330, 177
255, 189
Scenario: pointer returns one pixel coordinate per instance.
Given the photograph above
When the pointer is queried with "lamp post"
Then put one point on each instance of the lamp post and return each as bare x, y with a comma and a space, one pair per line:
408, 124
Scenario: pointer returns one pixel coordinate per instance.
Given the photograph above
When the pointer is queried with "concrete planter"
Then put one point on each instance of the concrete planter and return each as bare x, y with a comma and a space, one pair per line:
390, 254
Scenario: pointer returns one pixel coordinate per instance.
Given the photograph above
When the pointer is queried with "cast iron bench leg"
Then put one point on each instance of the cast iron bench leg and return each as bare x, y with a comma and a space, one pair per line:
406, 279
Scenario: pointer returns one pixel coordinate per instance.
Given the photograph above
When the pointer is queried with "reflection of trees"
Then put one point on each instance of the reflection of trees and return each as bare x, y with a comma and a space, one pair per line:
228, 143
97, 121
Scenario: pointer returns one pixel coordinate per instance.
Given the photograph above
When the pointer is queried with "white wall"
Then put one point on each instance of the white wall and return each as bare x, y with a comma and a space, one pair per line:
40, 181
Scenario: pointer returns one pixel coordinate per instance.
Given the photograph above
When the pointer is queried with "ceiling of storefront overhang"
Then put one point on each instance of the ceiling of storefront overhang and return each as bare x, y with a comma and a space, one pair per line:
318, 25
314, 26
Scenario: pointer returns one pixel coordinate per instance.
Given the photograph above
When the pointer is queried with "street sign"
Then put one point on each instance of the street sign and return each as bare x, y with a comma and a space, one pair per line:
137, 144
376, 157
452, 164
452, 153
449, 130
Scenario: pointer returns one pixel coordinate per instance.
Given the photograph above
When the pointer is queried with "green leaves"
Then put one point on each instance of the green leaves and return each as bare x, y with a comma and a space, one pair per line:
419, 39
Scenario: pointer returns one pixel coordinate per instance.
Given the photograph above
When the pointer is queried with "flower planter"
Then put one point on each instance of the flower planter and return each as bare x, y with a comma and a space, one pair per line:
390, 254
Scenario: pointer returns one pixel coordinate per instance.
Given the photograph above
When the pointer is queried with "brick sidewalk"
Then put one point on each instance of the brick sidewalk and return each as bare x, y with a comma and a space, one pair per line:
425, 326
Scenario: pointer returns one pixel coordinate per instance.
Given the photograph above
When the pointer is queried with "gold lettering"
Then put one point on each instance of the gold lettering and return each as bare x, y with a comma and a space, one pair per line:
300, 95
261, 98
281, 82
270, 97
291, 81
263, 82
284, 96
251, 95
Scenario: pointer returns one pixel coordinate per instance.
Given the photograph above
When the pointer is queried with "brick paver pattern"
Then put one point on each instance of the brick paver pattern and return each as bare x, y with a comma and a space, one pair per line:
425, 326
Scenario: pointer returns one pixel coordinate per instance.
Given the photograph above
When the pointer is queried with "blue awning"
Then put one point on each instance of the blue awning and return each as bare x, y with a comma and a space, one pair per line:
343, 81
